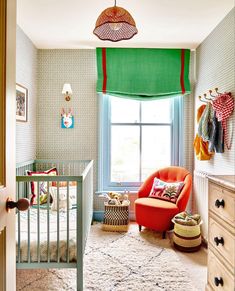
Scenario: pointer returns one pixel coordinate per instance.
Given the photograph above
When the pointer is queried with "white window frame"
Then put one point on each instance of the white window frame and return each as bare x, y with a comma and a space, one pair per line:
104, 158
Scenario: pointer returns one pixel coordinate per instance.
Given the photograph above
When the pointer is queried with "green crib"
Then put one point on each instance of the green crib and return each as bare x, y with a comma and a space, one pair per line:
49, 236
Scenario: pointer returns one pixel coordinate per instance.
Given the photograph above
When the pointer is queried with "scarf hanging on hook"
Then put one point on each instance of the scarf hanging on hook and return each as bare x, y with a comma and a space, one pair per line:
224, 106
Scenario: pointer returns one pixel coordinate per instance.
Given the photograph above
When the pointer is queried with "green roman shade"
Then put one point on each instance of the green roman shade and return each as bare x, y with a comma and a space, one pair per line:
143, 74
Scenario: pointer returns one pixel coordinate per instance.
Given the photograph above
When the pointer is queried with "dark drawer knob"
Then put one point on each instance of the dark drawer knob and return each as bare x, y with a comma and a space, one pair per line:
219, 203
218, 281
22, 204
219, 240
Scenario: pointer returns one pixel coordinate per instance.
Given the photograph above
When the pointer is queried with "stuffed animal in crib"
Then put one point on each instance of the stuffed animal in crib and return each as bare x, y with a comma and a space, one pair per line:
62, 201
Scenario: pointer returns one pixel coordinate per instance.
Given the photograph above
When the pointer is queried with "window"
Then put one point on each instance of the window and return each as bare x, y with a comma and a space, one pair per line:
136, 138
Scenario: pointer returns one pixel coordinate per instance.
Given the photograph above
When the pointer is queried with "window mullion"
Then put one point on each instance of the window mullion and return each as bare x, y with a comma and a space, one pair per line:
140, 169
139, 123
106, 131
172, 134
109, 141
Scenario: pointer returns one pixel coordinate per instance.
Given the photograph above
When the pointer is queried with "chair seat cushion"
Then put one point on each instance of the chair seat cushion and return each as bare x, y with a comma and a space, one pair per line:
155, 213
156, 203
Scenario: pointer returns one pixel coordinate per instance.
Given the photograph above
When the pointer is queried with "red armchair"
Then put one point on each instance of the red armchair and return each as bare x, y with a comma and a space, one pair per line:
154, 213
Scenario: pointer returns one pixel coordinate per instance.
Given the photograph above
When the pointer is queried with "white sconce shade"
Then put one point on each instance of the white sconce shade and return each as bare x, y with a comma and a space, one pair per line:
67, 91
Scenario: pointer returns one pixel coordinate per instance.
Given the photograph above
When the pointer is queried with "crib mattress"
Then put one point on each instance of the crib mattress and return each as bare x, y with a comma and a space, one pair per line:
55, 250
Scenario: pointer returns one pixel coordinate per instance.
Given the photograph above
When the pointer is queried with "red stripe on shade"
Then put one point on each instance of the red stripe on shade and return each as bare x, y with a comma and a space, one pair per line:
104, 70
182, 72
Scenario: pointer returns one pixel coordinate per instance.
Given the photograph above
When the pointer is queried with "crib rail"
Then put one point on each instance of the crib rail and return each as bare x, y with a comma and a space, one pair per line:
55, 246
65, 168
22, 167
87, 189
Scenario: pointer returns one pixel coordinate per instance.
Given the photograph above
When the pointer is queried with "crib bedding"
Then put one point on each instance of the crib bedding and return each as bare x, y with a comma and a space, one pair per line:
72, 187
53, 234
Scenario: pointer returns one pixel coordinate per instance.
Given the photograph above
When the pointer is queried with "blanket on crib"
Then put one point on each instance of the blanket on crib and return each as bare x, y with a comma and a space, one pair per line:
43, 239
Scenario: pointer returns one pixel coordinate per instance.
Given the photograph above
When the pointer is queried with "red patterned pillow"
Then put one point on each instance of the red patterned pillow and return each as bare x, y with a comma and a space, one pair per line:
166, 191
42, 185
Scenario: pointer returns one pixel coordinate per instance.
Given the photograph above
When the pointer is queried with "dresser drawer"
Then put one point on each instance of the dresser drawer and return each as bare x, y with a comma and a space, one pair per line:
222, 241
218, 276
208, 288
222, 202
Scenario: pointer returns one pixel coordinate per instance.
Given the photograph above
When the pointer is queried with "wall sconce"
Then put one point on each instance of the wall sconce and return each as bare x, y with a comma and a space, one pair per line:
67, 91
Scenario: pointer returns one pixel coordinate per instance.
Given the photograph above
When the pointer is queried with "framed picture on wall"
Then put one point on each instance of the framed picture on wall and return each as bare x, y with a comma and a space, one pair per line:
21, 103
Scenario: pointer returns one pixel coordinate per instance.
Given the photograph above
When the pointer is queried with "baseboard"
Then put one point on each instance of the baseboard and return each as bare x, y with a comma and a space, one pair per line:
204, 243
132, 215
99, 215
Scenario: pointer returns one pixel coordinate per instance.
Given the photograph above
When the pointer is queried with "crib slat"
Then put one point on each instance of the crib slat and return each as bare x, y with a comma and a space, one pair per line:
38, 216
18, 189
28, 230
68, 222
79, 238
58, 224
65, 168
48, 222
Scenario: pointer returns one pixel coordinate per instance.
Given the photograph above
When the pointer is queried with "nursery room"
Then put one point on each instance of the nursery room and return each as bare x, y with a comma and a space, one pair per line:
117, 147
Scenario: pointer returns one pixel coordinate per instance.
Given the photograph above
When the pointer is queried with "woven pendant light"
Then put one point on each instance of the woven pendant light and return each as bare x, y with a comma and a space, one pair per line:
115, 24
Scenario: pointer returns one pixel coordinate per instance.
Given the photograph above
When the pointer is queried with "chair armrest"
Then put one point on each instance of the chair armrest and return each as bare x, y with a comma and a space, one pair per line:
185, 193
147, 186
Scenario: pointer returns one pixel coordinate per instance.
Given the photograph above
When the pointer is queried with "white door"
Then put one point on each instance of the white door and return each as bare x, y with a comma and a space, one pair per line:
7, 143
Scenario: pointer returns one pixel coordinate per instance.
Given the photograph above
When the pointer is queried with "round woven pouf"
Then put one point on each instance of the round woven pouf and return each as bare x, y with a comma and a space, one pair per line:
187, 238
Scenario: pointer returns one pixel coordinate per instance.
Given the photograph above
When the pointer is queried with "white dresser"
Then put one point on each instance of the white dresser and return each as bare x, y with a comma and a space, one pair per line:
221, 234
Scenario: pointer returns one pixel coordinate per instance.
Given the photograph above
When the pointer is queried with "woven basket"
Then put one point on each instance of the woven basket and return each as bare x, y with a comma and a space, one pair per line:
116, 218
187, 238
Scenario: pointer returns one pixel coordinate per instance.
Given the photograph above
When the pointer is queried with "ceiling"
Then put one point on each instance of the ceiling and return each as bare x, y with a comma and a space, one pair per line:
161, 23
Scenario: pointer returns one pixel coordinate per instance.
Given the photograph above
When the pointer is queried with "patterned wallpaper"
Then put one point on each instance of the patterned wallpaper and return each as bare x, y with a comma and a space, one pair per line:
77, 67
188, 125
26, 75
216, 68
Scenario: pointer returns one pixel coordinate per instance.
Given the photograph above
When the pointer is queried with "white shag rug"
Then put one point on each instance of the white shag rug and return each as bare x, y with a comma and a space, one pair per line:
117, 262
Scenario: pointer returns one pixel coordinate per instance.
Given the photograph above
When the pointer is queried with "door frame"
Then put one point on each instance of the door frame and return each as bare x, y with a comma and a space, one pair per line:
7, 140
3, 17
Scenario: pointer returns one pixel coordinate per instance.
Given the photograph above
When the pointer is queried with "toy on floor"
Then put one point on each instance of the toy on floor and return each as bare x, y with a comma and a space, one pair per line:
187, 233
186, 218
115, 198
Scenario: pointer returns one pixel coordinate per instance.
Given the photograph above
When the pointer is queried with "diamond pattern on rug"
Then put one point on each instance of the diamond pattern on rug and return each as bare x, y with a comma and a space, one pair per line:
117, 262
